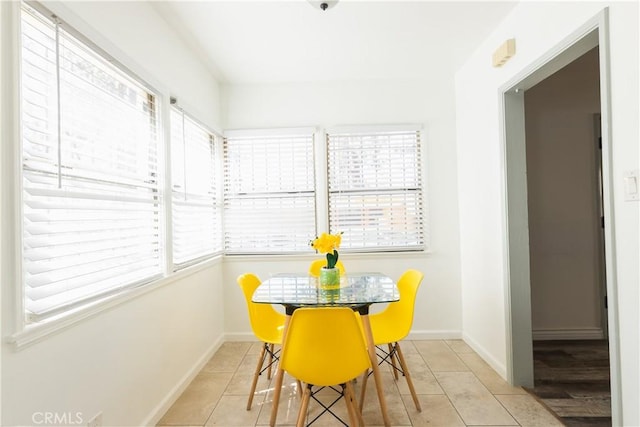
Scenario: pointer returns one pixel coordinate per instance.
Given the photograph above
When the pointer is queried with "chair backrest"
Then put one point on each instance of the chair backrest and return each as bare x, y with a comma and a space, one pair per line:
314, 268
402, 311
266, 322
324, 346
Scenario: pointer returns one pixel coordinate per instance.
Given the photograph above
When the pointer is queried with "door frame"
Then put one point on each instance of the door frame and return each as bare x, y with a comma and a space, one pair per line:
515, 224
601, 261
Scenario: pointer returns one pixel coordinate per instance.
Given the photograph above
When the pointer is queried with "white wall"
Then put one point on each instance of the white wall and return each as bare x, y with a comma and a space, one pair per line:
3, 136
565, 244
537, 28
128, 361
429, 102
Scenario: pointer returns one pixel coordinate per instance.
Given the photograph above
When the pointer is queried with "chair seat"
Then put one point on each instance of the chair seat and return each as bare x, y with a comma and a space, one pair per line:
384, 330
272, 335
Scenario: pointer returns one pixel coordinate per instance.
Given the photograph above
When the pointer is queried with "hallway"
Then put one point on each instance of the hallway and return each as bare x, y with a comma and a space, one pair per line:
572, 380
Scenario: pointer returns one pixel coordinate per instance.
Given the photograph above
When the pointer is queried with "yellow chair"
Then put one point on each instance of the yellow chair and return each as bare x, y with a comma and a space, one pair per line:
267, 325
392, 325
325, 347
314, 268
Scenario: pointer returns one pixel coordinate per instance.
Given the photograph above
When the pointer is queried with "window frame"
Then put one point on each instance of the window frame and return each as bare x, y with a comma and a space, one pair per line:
322, 204
371, 130
277, 135
107, 189
217, 197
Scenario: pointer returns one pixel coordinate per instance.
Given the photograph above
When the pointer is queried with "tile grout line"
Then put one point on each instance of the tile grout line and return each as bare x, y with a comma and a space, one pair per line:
235, 371
483, 385
243, 360
455, 408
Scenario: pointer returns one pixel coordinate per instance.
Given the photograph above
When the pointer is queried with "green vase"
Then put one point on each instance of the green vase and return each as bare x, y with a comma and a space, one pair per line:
329, 277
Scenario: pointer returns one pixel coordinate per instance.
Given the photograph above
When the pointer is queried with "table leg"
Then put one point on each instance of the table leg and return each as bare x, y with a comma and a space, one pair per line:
374, 367
279, 377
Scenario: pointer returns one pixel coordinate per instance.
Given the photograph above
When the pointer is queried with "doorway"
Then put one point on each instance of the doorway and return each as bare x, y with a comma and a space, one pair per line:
566, 245
566, 249
518, 294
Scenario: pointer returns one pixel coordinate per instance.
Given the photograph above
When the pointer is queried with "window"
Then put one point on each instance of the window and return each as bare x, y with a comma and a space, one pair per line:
269, 188
196, 211
375, 189
90, 190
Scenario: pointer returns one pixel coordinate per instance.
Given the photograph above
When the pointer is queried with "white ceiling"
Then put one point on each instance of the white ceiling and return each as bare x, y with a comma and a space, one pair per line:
291, 41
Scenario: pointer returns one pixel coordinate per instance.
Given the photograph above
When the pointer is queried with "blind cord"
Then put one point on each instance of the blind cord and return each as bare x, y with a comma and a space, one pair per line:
184, 158
58, 102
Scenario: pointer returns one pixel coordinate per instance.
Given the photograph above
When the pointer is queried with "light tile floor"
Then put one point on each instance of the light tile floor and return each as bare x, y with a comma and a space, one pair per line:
454, 385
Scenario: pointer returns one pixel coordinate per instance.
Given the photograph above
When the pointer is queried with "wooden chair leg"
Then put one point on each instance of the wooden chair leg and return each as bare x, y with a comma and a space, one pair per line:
407, 376
393, 360
299, 383
302, 413
256, 374
355, 415
363, 390
271, 347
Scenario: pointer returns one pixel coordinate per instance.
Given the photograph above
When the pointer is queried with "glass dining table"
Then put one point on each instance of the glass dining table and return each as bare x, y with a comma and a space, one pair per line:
356, 290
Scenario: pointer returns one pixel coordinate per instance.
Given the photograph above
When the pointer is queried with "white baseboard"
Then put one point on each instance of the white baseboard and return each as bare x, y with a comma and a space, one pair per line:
497, 366
181, 386
240, 336
435, 335
413, 335
568, 334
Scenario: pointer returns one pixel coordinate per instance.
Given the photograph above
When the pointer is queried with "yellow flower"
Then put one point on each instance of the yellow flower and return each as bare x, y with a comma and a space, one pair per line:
337, 239
327, 243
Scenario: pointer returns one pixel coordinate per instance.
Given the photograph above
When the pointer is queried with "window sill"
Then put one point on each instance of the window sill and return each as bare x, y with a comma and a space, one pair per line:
343, 255
36, 332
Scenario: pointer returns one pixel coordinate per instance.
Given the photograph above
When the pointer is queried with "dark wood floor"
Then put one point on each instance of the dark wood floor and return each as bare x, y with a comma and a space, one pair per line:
572, 380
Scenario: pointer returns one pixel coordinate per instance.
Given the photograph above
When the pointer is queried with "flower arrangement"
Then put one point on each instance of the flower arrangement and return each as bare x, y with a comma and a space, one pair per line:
328, 244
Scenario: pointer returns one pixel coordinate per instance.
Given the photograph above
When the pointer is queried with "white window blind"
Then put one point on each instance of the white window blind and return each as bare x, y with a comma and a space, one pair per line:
269, 193
90, 187
375, 190
196, 212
